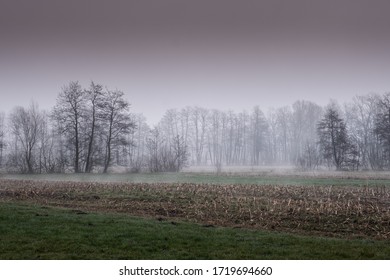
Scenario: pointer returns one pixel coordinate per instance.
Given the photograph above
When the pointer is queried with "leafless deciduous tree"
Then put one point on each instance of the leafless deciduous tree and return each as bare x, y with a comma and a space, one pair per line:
382, 125
199, 125
116, 122
92, 129
310, 158
137, 150
361, 116
259, 129
47, 159
93, 98
154, 144
26, 126
167, 142
68, 114
2, 138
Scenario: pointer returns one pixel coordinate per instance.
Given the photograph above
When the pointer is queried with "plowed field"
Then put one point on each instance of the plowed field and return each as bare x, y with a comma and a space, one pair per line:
345, 211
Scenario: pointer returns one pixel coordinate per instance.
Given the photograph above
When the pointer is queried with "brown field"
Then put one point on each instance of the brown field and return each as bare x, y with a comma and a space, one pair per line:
346, 212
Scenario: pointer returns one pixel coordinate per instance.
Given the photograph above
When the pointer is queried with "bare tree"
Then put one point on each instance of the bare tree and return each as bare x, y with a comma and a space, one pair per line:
242, 137
304, 120
2, 138
199, 124
215, 137
68, 115
310, 158
93, 97
154, 145
184, 133
137, 144
259, 132
360, 119
180, 153
116, 121
284, 118
26, 126
47, 162
382, 125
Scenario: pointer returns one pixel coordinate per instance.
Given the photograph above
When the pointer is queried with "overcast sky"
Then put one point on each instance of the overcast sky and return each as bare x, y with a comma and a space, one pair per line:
221, 54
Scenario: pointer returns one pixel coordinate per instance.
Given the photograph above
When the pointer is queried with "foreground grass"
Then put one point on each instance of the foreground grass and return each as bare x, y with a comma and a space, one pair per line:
36, 232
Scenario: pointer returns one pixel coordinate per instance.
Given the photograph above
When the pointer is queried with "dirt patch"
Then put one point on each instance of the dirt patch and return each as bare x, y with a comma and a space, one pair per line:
347, 212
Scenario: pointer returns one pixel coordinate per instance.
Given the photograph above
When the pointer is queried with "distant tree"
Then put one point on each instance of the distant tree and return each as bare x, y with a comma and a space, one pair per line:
51, 158
116, 122
242, 138
2, 138
168, 142
154, 144
184, 132
382, 124
46, 146
304, 119
199, 125
361, 117
285, 130
137, 152
259, 133
310, 158
26, 126
180, 153
215, 138
333, 140
68, 115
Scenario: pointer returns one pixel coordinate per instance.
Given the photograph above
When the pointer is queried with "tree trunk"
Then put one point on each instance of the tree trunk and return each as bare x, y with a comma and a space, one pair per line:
76, 160
88, 164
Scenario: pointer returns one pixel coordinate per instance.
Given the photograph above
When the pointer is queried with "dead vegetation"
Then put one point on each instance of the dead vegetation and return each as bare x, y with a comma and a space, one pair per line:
347, 212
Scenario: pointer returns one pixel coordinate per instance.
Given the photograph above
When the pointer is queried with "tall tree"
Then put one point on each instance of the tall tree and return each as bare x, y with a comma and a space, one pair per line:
360, 118
26, 125
154, 144
305, 117
215, 138
199, 124
116, 121
382, 124
93, 97
2, 138
137, 144
259, 129
284, 118
180, 153
47, 163
68, 115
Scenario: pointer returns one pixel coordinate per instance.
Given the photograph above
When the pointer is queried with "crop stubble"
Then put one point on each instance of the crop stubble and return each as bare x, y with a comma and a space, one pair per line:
347, 212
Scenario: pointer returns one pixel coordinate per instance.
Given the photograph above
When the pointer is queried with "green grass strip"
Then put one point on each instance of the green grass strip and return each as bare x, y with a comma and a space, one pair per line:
35, 232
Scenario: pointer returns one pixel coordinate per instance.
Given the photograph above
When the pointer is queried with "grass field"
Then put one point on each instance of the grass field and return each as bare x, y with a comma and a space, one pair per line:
36, 232
194, 216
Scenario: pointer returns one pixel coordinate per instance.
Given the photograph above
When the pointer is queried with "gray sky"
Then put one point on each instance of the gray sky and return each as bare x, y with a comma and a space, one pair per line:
221, 54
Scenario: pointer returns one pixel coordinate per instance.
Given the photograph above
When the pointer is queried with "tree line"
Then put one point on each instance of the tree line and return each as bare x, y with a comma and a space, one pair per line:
93, 130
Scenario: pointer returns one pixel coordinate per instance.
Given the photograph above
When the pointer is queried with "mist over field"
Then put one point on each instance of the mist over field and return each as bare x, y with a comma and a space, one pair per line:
220, 83
93, 130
